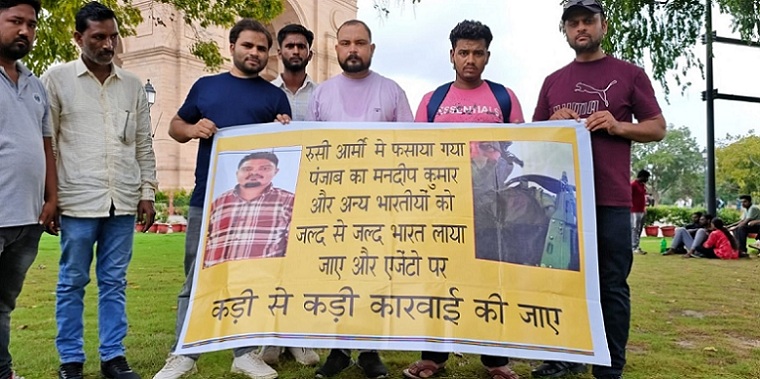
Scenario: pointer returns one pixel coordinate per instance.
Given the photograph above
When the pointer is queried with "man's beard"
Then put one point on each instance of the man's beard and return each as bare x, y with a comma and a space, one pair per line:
294, 66
240, 64
355, 67
13, 52
591, 47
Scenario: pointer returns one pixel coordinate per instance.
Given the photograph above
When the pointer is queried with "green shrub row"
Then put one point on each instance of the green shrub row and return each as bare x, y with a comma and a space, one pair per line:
181, 203
669, 214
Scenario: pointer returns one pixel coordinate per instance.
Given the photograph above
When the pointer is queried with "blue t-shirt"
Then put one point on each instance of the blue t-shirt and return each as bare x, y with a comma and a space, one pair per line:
228, 101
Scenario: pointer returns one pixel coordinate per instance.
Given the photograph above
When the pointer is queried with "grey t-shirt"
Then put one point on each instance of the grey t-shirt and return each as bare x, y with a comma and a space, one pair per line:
752, 214
24, 120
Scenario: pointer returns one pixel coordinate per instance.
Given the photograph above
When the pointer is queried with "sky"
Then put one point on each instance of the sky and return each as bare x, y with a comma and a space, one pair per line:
412, 48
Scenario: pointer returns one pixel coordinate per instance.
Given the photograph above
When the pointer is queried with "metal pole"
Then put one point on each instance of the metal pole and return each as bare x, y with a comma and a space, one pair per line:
710, 173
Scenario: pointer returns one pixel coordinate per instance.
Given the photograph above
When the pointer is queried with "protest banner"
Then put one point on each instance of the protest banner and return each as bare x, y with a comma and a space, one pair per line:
477, 238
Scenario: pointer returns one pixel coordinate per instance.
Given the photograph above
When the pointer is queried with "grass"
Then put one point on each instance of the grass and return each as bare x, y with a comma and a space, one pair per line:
694, 318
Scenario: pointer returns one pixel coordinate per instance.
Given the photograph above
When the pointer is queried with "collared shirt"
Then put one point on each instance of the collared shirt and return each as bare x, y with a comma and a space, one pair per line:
24, 121
241, 229
299, 101
102, 137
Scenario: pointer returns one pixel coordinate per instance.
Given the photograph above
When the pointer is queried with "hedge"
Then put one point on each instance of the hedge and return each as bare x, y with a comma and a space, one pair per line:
672, 215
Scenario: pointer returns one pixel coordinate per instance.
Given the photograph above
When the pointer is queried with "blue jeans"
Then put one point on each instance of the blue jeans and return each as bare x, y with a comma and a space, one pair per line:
114, 236
18, 248
192, 240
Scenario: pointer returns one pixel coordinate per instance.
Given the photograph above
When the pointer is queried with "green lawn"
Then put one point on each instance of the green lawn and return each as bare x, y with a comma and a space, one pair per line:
692, 318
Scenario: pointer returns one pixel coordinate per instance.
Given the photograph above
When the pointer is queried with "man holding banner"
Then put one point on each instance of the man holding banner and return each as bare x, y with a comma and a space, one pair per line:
207, 108
358, 94
607, 92
493, 103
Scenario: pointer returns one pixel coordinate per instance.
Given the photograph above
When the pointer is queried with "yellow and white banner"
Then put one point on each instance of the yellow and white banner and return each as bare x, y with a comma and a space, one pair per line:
476, 238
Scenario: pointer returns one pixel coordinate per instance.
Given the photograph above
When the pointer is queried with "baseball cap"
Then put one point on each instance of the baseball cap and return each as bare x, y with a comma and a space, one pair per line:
593, 6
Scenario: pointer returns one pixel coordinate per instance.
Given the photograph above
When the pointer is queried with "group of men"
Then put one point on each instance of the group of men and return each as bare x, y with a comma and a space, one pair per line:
105, 165
78, 159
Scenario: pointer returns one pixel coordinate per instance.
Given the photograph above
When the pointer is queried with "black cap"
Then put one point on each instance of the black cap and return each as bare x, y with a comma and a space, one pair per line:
593, 6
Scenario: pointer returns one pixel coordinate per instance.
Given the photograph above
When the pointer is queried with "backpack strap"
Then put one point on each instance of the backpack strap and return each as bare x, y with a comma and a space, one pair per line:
435, 101
502, 97
498, 90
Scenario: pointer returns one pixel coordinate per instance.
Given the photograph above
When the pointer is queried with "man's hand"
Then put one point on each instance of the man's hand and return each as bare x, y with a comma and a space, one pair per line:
603, 120
146, 214
204, 128
282, 119
565, 114
49, 218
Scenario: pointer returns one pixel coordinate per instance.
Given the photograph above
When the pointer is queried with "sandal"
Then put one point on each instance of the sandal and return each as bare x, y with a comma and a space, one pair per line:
424, 369
502, 372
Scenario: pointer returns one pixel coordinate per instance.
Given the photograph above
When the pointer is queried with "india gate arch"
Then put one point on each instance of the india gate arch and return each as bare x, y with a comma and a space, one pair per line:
160, 51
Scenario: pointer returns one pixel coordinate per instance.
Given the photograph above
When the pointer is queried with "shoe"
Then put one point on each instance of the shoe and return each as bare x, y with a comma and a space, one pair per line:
253, 366
304, 356
372, 366
743, 254
755, 245
554, 369
334, 364
609, 377
71, 370
117, 368
639, 251
176, 367
271, 354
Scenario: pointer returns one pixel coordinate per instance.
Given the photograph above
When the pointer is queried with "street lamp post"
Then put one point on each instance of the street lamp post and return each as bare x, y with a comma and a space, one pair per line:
150, 92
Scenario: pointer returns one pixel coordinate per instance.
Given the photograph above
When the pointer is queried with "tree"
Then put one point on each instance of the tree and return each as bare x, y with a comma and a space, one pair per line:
738, 166
56, 25
667, 32
676, 165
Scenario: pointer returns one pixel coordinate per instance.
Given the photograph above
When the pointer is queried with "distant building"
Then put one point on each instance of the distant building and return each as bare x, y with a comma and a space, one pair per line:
160, 51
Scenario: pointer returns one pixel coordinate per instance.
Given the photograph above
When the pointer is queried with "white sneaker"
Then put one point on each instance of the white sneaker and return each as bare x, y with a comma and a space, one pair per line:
271, 354
253, 366
304, 356
176, 367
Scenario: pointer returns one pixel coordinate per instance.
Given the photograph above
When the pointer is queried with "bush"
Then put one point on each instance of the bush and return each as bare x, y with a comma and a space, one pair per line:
181, 203
669, 214
729, 215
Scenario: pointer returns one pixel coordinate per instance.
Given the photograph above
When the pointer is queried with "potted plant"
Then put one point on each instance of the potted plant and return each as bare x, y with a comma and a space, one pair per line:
651, 230
668, 230
162, 228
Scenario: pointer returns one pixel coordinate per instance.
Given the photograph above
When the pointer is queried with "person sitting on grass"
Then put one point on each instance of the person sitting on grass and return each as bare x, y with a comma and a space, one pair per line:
695, 222
720, 244
687, 238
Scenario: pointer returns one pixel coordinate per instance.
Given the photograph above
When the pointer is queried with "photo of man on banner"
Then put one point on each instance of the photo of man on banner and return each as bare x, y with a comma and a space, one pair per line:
252, 219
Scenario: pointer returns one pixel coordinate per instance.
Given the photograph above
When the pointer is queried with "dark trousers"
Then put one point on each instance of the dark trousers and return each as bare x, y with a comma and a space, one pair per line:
615, 261
487, 360
706, 252
741, 235
18, 249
